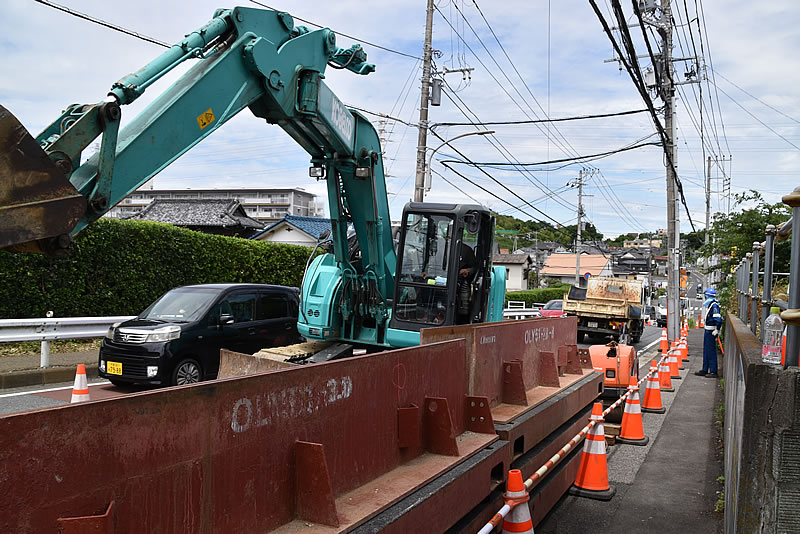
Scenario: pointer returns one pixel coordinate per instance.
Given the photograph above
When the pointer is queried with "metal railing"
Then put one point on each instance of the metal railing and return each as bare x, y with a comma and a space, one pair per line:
753, 303
52, 329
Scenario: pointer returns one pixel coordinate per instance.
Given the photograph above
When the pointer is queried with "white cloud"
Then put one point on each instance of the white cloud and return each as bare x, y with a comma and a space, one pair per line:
52, 59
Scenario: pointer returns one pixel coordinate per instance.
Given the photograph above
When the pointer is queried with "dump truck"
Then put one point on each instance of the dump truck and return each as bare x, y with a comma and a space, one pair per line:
608, 307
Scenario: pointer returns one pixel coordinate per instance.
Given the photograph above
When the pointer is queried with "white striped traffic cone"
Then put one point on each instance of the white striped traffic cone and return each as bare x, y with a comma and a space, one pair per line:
80, 391
652, 395
632, 432
592, 479
518, 519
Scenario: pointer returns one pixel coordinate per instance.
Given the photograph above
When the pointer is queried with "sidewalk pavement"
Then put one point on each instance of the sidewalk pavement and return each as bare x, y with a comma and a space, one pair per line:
675, 489
20, 370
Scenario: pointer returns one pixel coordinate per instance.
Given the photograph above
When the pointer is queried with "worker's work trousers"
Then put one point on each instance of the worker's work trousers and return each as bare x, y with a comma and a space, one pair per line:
709, 352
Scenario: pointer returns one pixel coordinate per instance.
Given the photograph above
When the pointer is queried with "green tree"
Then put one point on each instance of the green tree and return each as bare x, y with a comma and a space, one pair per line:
733, 234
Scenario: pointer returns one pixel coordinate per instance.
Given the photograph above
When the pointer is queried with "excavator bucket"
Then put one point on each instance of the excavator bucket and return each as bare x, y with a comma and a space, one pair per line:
38, 205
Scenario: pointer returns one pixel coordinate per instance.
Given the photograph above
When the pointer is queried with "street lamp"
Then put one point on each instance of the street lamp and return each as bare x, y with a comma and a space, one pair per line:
427, 184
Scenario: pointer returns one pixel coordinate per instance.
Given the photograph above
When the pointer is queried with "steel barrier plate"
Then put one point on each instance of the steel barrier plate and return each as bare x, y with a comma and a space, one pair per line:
224, 456
549, 490
517, 364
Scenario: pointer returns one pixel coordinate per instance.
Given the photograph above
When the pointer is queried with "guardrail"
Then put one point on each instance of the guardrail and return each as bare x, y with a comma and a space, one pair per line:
52, 329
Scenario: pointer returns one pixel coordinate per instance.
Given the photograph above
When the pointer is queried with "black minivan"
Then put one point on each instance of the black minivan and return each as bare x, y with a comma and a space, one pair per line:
177, 339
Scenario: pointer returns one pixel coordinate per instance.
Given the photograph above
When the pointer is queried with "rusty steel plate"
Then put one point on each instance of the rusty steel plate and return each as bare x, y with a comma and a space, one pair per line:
240, 454
517, 364
529, 429
545, 494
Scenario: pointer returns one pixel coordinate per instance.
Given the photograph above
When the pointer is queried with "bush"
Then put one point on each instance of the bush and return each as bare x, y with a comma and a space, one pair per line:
532, 296
120, 267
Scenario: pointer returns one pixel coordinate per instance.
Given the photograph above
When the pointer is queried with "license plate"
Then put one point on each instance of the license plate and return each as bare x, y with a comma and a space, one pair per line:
591, 324
114, 368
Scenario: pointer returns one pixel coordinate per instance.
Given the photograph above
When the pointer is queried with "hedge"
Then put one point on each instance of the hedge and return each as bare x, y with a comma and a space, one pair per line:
532, 296
119, 268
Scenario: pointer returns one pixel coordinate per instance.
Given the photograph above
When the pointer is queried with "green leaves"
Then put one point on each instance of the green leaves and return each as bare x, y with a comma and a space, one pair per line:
120, 267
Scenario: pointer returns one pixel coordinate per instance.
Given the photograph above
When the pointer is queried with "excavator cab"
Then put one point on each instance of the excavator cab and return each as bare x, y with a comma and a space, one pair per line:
444, 266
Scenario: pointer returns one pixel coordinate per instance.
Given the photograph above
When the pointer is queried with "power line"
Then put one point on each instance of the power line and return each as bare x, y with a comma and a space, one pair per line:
765, 125
114, 27
344, 34
539, 121
580, 158
639, 84
756, 98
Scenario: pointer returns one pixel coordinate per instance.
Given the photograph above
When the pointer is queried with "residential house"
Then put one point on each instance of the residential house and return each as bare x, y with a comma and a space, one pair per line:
518, 267
631, 263
295, 230
220, 217
561, 266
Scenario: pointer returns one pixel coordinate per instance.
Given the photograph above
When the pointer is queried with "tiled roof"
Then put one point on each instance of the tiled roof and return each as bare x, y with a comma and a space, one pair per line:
511, 258
196, 212
313, 226
563, 264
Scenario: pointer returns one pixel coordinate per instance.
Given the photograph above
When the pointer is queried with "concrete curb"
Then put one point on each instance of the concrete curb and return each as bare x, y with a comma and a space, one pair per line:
43, 376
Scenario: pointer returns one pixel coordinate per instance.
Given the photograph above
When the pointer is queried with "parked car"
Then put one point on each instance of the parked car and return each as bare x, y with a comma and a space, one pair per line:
177, 339
553, 308
649, 313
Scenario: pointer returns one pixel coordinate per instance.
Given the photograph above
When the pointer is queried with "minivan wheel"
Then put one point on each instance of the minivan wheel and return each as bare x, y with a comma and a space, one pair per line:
186, 372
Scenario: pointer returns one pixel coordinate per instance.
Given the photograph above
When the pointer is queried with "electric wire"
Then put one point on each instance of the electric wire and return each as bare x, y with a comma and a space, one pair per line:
399, 53
538, 121
638, 83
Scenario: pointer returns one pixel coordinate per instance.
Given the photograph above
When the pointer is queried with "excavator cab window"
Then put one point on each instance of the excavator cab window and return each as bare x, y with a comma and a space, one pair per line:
423, 276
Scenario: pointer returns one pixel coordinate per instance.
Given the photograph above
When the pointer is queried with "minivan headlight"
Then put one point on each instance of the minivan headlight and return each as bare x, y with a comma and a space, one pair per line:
167, 333
110, 333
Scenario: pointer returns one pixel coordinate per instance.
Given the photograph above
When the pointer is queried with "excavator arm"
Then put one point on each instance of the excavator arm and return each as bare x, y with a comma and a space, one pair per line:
244, 58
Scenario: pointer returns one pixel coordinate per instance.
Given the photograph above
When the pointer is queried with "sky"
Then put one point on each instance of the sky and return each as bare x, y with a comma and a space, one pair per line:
530, 60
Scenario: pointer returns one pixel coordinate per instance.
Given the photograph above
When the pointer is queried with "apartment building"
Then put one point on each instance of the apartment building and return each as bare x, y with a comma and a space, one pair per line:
266, 205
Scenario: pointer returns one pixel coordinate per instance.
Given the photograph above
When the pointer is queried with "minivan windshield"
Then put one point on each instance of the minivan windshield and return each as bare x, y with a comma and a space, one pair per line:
181, 305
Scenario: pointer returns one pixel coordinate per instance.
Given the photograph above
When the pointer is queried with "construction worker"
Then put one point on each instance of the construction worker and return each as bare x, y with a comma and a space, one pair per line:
713, 322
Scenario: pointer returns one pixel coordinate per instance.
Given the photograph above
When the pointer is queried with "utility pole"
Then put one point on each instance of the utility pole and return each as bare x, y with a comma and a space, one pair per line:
578, 238
673, 224
708, 224
422, 139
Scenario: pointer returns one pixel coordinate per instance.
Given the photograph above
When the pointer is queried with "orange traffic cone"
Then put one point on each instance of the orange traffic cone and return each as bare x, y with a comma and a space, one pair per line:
700, 321
652, 395
664, 378
676, 350
592, 479
80, 391
672, 361
632, 432
683, 349
518, 519
663, 345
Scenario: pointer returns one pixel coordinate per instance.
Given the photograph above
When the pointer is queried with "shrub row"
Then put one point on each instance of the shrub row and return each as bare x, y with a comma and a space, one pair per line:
532, 296
119, 267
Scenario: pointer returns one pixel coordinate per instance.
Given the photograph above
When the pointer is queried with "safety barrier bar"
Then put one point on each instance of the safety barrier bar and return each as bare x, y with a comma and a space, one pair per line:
510, 504
52, 329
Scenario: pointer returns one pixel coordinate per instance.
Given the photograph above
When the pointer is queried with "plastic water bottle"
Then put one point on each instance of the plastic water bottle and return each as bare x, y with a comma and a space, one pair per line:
773, 337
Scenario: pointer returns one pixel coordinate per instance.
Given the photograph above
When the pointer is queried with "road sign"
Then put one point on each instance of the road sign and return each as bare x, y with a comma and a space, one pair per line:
586, 276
